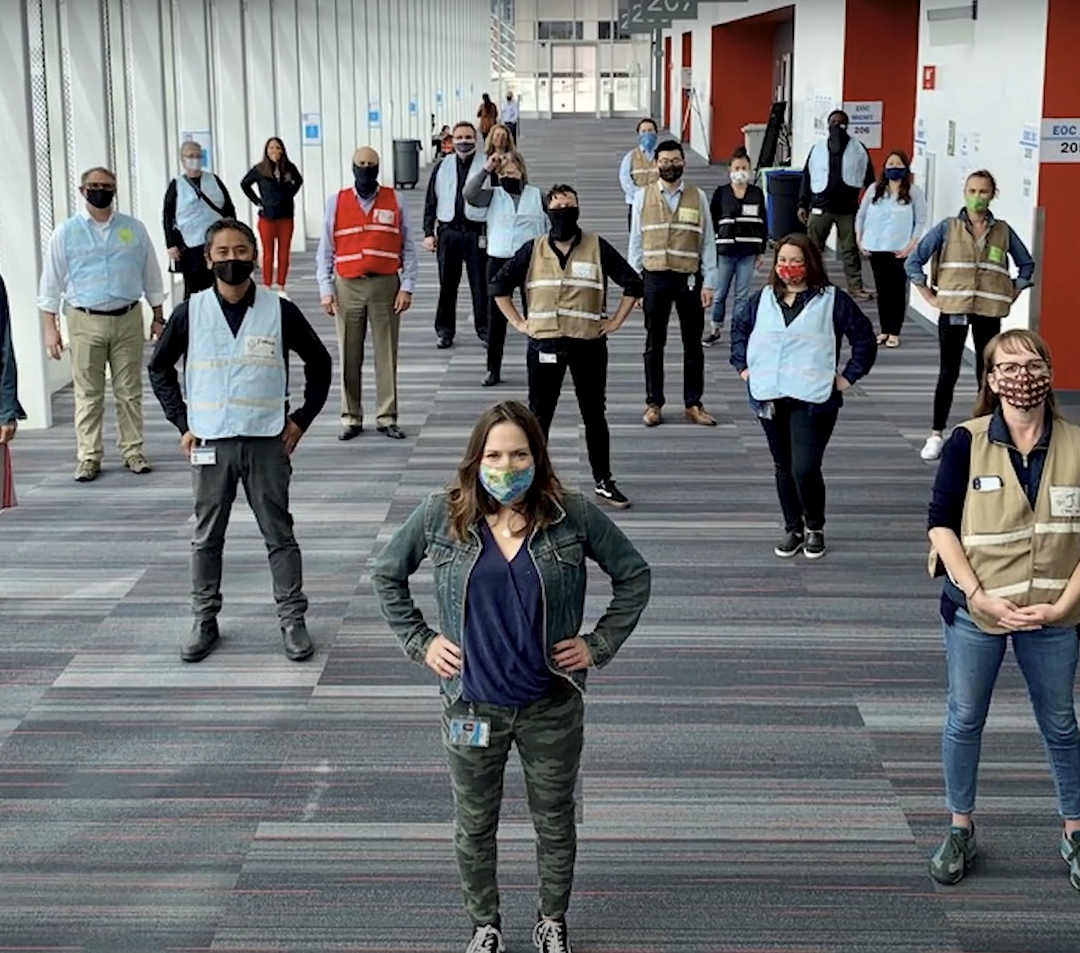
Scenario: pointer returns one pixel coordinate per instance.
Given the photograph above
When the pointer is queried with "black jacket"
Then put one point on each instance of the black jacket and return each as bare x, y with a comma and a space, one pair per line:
276, 196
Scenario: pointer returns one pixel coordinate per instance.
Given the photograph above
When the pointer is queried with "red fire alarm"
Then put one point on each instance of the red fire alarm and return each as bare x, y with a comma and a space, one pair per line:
929, 77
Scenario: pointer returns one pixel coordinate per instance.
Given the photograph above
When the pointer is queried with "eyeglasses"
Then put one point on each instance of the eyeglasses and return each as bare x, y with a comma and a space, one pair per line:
1036, 368
671, 165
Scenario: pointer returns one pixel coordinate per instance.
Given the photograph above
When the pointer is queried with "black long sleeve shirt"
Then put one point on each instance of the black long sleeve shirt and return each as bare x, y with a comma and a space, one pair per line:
616, 268
431, 198
276, 197
838, 197
297, 336
173, 238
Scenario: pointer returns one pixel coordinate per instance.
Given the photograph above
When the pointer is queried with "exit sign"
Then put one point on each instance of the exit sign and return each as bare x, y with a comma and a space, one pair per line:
929, 77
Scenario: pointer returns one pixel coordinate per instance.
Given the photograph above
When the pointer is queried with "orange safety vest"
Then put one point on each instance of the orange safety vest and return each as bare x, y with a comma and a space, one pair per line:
367, 244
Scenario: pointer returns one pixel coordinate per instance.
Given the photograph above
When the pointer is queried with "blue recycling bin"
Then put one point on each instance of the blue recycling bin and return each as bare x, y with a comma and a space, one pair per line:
782, 215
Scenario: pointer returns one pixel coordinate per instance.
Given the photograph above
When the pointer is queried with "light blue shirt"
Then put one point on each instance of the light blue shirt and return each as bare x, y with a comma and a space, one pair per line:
626, 180
707, 250
888, 224
324, 257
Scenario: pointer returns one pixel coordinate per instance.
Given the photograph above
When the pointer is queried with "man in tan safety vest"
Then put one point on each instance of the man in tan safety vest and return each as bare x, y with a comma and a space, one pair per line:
673, 246
563, 275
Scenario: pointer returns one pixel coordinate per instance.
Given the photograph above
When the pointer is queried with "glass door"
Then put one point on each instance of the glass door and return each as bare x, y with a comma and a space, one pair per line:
563, 74
574, 79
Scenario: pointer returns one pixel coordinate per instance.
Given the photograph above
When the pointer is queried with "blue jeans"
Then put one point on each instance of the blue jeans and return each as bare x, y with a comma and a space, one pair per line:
1047, 658
740, 269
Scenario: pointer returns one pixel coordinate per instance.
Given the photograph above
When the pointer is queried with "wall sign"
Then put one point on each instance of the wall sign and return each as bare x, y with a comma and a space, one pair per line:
1060, 140
865, 122
929, 77
311, 129
374, 116
920, 131
414, 106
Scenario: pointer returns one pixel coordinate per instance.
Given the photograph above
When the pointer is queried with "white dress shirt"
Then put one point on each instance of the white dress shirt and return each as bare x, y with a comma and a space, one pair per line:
707, 249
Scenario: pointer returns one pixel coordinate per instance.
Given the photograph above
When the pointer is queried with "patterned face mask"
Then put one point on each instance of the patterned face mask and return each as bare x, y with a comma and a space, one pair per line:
1024, 392
507, 486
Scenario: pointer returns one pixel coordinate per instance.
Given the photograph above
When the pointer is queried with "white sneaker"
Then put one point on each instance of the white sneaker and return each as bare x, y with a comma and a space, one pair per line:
932, 448
280, 289
486, 939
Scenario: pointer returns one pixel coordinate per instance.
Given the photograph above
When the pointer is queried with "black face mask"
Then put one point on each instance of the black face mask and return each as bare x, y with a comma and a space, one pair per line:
564, 223
100, 198
511, 185
367, 179
234, 271
837, 131
671, 173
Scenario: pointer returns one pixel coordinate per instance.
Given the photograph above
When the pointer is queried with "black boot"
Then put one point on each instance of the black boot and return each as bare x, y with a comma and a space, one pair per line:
200, 641
297, 642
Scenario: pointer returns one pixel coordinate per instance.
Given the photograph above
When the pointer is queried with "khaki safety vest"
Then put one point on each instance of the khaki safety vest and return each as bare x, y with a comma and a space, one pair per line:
1019, 553
565, 302
970, 282
642, 170
671, 241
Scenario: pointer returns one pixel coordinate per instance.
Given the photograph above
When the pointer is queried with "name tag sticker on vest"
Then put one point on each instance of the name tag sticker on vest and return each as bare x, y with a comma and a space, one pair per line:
1065, 501
583, 269
203, 456
126, 235
256, 345
750, 210
985, 484
995, 254
471, 732
689, 216
384, 216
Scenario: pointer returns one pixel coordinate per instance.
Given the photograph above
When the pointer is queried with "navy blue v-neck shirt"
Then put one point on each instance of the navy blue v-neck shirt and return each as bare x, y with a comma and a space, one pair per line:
505, 656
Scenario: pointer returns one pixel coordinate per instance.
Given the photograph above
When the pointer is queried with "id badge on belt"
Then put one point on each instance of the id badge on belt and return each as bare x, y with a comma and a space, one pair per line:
203, 456
470, 731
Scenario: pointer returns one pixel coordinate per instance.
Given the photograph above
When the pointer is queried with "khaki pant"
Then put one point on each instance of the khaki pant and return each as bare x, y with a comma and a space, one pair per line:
98, 340
818, 228
360, 301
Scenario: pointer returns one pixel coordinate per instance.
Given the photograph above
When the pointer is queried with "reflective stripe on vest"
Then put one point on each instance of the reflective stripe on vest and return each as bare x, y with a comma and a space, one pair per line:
236, 385
1023, 553
565, 302
105, 267
795, 360
509, 226
193, 215
852, 166
671, 241
367, 243
446, 188
972, 282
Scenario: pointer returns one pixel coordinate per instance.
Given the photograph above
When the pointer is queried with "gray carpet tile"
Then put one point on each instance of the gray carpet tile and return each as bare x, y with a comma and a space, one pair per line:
762, 760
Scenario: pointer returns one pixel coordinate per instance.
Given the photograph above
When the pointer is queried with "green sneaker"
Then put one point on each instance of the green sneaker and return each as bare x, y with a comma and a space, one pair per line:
1070, 851
954, 856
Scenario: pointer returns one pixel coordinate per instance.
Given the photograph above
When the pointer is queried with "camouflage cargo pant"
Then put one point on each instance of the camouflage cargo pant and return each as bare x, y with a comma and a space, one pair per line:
549, 736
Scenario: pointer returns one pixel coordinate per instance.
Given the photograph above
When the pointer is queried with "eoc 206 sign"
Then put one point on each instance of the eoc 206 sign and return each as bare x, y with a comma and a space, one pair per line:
1060, 140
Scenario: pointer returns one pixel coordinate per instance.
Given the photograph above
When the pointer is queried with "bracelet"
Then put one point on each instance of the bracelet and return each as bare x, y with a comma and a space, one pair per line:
973, 593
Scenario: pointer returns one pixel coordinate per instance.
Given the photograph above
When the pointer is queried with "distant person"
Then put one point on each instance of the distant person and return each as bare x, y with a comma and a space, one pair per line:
194, 200
837, 170
510, 115
488, 114
11, 411
278, 181
638, 167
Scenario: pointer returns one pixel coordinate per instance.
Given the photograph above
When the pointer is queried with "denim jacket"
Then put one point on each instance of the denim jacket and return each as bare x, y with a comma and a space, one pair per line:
580, 530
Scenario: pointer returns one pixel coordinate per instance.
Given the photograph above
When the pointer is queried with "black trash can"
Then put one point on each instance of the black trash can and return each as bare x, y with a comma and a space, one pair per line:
783, 187
406, 162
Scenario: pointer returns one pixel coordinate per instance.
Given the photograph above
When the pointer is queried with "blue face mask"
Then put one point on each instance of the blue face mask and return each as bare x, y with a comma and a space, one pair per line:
647, 141
507, 486
895, 174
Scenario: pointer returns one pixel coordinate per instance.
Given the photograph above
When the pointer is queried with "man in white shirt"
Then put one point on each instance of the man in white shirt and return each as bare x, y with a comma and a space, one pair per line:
101, 263
508, 116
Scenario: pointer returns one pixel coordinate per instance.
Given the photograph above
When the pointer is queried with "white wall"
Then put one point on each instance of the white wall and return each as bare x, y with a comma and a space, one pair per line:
243, 70
990, 109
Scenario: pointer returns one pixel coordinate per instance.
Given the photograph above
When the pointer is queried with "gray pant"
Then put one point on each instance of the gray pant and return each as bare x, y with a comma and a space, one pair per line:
818, 228
263, 466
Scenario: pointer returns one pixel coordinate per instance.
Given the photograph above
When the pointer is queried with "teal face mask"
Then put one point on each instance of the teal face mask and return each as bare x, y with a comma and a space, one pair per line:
507, 486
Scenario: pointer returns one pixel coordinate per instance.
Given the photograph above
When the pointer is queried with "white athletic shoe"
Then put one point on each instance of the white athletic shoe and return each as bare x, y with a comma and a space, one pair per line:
932, 448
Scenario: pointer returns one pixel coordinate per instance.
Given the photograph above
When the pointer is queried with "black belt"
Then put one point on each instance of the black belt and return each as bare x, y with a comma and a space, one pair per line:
107, 314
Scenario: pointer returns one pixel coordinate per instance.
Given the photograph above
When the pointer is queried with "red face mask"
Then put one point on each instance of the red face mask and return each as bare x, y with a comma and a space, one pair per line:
792, 274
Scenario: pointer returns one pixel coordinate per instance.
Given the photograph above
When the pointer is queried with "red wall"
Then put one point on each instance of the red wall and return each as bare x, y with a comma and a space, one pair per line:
687, 58
881, 63
1059, 197
742, 77
667, 82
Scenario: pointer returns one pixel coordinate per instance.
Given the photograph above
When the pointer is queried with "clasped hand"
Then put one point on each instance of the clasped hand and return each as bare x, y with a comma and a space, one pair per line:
1014, 618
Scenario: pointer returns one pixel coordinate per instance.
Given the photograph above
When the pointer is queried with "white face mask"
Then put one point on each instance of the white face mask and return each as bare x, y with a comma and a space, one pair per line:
192, 164
739, 177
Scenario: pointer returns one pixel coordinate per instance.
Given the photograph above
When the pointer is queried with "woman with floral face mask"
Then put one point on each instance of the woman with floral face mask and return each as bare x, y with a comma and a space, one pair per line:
969, 256
508, 546
1005, 531
786, 347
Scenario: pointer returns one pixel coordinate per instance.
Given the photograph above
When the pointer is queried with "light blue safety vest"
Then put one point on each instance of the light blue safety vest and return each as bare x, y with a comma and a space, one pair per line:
852, 165
105, 267
193, 215
793, 360
236, 386
508, 228
889, 225
446, 188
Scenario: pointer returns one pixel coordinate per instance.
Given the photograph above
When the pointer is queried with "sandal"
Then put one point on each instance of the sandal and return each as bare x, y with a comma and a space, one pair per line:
893, 340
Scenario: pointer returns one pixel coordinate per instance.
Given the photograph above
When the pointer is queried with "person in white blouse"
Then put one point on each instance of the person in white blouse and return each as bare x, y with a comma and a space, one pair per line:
891, 220
508, 115
100, 263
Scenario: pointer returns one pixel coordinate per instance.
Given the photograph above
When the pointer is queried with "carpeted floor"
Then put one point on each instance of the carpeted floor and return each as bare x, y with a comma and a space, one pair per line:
762, 766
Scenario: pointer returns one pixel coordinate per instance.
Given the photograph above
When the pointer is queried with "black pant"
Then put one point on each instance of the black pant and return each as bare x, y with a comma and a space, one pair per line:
662, 290
457, 247
588, 361
951, 340
192, 265
892, 290
496, 333
797, 437
513, 127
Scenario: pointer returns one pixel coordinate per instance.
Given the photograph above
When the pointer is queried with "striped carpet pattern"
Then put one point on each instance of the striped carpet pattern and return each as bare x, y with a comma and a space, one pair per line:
762, 760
